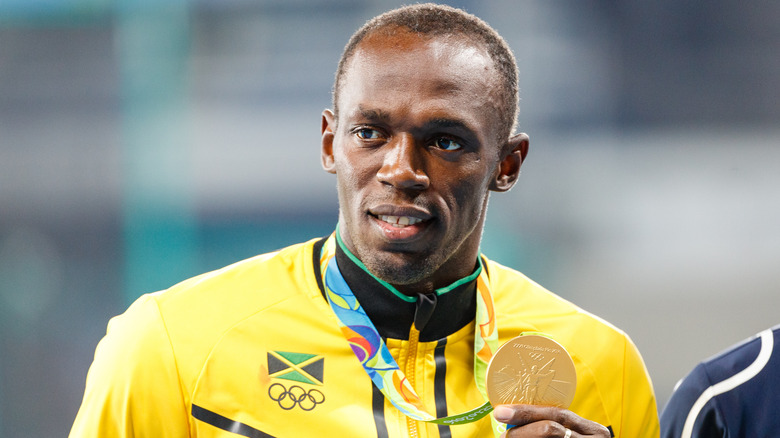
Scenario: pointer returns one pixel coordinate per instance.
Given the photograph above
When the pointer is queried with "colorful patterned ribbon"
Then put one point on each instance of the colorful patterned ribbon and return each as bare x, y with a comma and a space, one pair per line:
375, 357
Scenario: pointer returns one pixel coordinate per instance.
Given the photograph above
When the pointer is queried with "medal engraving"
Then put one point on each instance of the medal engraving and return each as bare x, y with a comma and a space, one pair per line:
531, 369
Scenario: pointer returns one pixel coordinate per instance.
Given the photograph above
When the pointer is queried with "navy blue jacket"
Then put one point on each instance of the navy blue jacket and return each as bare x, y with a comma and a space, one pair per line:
734, 394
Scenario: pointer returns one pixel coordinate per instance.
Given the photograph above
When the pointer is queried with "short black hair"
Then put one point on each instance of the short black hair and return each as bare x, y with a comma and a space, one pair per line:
440, 20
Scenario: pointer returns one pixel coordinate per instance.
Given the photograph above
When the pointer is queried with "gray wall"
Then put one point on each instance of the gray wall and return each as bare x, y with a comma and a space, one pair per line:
141, 146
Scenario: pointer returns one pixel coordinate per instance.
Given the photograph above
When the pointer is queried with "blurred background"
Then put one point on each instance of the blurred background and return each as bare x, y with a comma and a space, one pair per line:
143, 142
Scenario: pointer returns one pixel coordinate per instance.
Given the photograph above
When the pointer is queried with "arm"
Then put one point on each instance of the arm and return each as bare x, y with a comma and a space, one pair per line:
133, 386
639, 410
680, 409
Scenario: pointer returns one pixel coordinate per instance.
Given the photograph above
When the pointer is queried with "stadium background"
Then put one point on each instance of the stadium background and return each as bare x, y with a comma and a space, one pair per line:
142, 142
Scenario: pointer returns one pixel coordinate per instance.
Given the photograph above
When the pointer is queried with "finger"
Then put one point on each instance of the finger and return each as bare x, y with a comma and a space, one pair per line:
547, 429
520, 415
552, 420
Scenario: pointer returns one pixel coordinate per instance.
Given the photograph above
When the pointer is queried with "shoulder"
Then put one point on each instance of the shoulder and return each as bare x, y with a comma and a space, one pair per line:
290, 264
608, 363
735, 365
242, 288
219, 299
224, 295
195, 314
169, 334
754, 351
523, 305
519, 298
133, 372
727, 388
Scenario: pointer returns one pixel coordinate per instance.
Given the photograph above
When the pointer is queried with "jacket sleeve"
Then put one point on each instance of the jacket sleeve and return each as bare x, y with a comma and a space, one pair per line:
133, 388
707, 421
640, 413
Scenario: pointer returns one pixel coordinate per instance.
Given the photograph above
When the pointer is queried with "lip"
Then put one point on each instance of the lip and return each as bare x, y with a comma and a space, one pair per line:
400, 210
407, 223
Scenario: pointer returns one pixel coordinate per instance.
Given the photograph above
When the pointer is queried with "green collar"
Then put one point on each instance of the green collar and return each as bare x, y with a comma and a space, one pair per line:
391, 288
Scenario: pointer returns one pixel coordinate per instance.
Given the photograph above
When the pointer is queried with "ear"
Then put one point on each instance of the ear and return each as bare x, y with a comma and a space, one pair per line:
328, 126
509, 168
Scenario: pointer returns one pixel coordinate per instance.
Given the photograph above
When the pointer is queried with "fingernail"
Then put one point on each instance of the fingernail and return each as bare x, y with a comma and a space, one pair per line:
503, 413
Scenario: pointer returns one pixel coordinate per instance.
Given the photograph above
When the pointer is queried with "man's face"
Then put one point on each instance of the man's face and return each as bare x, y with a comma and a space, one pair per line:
415, 152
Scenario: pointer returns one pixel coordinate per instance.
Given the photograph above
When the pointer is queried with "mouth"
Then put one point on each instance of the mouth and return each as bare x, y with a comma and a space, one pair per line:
400, 224
399, 221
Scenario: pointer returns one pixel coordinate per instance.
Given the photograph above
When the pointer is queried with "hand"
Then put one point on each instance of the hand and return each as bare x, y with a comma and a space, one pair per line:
546, 421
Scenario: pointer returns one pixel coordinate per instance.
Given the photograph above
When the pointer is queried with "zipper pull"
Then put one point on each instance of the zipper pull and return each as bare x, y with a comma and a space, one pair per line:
426, 304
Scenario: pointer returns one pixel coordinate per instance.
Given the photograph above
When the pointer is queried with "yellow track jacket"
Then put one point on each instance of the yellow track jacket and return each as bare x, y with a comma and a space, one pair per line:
254, 350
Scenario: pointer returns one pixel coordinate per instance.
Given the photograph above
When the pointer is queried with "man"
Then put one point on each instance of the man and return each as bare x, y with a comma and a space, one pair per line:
733, 394
424, 108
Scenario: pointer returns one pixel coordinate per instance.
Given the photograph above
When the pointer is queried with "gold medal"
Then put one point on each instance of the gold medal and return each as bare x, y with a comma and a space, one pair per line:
531, 369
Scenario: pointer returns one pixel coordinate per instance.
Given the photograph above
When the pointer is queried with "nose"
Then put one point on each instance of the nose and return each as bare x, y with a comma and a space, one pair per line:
403, 165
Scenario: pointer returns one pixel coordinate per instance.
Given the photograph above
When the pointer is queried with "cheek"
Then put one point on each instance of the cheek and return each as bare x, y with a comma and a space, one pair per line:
469, 184
357, 167
470, 193
467, 198
352, 179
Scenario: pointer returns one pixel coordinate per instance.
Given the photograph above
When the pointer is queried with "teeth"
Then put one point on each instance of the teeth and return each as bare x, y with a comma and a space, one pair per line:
400, 221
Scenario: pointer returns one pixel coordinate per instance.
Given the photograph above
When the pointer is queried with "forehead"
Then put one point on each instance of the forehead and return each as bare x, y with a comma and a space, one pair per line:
428, 54
451, 70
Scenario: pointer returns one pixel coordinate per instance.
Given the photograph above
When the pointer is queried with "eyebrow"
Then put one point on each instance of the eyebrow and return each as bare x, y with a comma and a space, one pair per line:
372, 114
448, 123
380, 115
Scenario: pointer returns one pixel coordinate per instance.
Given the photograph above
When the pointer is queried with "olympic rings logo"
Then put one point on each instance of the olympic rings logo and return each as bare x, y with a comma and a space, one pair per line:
288, 398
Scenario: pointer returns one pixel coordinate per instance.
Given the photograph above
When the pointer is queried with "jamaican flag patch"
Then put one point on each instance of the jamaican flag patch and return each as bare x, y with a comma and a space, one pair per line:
298, 367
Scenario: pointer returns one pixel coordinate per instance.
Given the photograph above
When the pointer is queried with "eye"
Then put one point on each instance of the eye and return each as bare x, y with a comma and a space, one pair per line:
447, 144
368, 134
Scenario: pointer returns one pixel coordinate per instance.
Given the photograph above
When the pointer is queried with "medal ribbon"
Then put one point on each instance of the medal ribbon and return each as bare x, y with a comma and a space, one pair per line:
373, 354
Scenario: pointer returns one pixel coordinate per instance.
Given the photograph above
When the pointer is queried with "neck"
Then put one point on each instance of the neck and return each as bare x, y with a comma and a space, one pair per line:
393, 312
452, 272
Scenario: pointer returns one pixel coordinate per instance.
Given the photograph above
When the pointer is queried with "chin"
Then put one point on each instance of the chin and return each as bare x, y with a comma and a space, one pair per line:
399, 272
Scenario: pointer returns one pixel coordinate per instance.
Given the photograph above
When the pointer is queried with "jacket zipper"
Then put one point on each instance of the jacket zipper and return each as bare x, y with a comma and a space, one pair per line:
426, 304
414, 338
